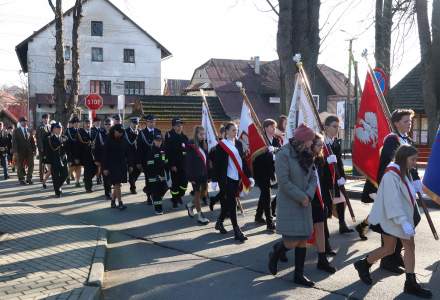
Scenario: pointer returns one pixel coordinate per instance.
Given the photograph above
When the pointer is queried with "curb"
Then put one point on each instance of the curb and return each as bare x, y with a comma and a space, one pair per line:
93, 286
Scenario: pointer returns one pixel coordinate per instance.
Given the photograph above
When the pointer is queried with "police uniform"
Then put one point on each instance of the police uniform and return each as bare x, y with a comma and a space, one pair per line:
85, 143
131, 137
72, 144
43, 131
156, 168
56, 156
100, 141
145, 141
175, 148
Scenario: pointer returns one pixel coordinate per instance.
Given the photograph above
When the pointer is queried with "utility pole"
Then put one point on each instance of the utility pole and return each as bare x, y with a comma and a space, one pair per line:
347, 110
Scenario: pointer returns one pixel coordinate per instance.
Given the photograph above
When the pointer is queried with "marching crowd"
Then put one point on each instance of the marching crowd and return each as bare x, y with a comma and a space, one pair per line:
307, 171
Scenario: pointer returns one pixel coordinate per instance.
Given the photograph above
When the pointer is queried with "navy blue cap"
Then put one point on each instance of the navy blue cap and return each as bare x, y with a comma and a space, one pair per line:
158, 137
176, 121
108, 120
55, 125
149, 117
74, 119
117, 117
134, 120
86, 120
22, 119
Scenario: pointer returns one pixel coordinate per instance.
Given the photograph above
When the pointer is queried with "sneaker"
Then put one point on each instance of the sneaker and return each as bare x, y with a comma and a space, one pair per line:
202, 220
190, 208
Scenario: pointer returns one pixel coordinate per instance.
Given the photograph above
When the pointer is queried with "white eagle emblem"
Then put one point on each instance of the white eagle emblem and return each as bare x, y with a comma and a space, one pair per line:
367, 131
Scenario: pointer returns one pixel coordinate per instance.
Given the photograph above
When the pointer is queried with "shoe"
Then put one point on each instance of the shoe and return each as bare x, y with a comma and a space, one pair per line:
180, 201
98, 180
190, 208
158, 210
6, 177
283, 256
219, 226
121, 206
274, 256
175, 205
344, 229
57, 195
108, 197
324, 265
363, 268
260, 220
362, 229
238, 235
78, 185
391, 265
413, 288
302, 280
68, 180
44, 186
202, 220
89, 191
149, 201
133, 191
205, 200
113, 204
271, 227
30, 182
22, 182
330, 252
211, 204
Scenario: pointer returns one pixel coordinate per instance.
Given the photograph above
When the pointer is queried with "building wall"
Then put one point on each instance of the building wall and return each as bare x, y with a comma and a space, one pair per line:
188, 127
118, 34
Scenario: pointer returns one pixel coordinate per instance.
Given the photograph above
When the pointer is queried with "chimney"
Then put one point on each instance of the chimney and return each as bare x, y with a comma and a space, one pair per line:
257, 65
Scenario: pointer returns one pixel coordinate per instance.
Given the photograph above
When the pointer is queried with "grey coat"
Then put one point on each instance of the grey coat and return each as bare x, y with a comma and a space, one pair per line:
294, 184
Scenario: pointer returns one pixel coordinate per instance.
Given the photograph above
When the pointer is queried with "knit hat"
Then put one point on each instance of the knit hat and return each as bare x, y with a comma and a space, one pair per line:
303, 133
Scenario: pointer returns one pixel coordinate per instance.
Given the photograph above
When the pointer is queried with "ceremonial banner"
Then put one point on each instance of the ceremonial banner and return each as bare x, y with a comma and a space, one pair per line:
370, 131
209, 129
301, 110
253, 141
431, 179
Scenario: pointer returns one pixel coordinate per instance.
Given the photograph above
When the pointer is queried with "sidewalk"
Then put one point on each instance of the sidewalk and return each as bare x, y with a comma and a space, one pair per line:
45, 255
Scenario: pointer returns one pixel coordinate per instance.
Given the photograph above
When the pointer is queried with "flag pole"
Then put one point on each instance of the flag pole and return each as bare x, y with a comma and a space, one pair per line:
253, 114
309, 96
209, 113
386, 109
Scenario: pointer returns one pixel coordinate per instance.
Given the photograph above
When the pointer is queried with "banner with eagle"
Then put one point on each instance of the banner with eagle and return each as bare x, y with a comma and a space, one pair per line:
371, 128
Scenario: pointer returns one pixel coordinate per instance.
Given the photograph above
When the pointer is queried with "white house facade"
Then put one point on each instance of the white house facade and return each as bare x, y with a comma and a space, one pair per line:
117, 57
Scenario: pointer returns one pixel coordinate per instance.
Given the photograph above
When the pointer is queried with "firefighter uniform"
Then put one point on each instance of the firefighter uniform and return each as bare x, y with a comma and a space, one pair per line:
86, 146
55, 150
131, 137
175, 145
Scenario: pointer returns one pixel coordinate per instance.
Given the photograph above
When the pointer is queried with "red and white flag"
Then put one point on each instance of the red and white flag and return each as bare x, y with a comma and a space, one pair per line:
253, 141
209, 129
370, 131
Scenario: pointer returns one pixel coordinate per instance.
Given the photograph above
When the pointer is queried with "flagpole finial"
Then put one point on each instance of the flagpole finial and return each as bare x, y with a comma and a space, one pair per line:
365, 53
297, 58
239, 84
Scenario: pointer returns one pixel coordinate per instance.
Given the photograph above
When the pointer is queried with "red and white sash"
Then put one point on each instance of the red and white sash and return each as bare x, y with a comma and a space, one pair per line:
245, 180
199, 153
397, 171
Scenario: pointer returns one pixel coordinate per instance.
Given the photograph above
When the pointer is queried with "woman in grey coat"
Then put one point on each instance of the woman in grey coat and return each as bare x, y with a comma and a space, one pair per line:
296, 187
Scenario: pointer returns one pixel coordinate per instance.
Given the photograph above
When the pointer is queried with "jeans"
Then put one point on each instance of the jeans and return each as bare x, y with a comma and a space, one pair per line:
4, 162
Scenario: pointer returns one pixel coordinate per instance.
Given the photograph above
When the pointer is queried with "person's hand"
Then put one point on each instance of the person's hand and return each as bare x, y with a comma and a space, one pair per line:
271, 149
97, 163
76, 161
408, 229
341, 181
305, 202
252, 181
105, 172
139, 166
130, 169
214, 185
331, 159
418, 186
174, 169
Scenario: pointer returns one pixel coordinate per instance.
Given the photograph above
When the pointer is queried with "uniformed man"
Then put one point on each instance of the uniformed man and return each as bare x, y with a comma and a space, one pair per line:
402, 120
116, 119
131, 137
175, 145
96, 127
86, 154
73, 151
145, 141
100, 141
43, 131
56, 157
4, 150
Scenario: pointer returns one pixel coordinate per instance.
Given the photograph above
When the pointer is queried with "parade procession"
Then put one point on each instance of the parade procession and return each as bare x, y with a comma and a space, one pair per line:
253, 180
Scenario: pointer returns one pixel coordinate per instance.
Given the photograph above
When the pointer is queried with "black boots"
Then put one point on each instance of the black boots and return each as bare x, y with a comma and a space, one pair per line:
362, 229
219, 226
324, 265
392, 264
238, 235
278, 250
363, 268
299, 278
340, 209
413, 288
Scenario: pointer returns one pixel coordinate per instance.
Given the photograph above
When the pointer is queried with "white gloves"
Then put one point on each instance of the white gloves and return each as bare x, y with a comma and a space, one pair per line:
271, 149
214, 185
407, 228
331, 159
169, 182
373, 196
252, 182
341, 181
418, 186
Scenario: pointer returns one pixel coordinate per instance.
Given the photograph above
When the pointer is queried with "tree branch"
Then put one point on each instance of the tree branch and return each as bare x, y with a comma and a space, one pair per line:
274, 9
52, 6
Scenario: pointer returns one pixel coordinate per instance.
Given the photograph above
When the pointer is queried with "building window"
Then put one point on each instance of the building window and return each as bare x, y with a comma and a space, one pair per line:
134, 87
102, 87
69, 83
129, 55
97, 54
67, 53
96, 28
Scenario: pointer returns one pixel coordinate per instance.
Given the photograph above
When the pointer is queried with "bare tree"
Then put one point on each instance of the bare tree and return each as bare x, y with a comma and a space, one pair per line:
298, 32
59, 83
76, 17
430, 95
383, 25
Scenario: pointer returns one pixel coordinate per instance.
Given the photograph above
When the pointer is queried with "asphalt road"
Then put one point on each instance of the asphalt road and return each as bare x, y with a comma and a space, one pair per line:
171, 257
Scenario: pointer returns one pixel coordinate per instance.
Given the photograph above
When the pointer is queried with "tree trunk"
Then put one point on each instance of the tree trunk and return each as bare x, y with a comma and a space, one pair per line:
429, 93
383, 25
76, 18
59, 84
298, 32
436, 52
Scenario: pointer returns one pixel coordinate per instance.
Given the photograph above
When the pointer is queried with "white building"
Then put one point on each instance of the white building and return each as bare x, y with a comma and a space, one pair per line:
117, 57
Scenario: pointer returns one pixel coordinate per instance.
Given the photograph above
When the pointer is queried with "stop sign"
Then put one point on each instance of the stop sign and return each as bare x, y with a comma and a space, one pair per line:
93, 102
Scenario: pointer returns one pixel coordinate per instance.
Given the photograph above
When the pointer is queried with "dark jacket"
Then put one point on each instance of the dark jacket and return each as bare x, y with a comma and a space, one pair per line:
156, 166
115, 160
222, 160
144, 143
325, 185
336, 149
43, 132
21, 144
55, 150
175, 148
98, 150
264, 165
131, 139
4, 143
196, 168
85, 146
72, 146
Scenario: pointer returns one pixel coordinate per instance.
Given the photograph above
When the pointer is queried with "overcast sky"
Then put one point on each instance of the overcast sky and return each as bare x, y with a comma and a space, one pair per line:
197, 30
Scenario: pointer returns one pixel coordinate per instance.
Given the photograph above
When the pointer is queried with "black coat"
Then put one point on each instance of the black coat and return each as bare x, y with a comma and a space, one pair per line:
325, 184
85, 146
115, 160
196, 168
156, 166
222, 160
131, 138
72, 146
144, 143
98, 151
327, 175
55, 151
4, 143
264, 165
175, 148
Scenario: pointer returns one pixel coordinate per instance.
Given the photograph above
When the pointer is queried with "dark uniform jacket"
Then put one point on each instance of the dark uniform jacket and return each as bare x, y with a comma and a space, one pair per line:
98, 151
55, 150
156, 167
175, 149
144, 143
4, 143
72, 146
85, 145
21, 144
264, 165
131, 138
327, 175
196, 167
325, 185
43, 132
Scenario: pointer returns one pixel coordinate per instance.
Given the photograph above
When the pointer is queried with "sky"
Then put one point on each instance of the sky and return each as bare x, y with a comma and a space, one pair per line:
197, 30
